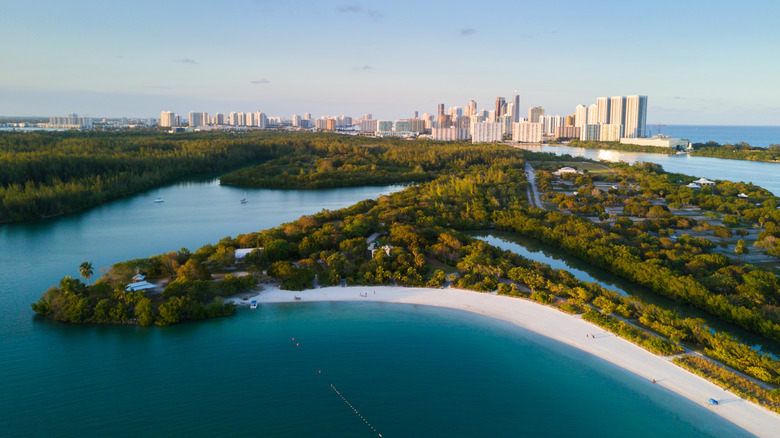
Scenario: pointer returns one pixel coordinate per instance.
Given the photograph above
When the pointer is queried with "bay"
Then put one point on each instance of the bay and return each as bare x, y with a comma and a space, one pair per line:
409, 370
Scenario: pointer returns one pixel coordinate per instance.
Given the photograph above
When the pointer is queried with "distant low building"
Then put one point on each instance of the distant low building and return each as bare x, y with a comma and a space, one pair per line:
564, 170
658, 141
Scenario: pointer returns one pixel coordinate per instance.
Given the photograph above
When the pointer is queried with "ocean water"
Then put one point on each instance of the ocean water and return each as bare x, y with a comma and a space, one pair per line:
403, 370
761, 136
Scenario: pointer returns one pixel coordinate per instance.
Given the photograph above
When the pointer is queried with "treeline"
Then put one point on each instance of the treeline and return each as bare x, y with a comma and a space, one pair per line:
340, 161
683, 270
618, 146
48, 174
189, 295
739, 151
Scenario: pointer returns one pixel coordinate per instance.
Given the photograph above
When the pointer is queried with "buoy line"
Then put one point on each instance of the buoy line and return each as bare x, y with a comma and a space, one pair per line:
355, 410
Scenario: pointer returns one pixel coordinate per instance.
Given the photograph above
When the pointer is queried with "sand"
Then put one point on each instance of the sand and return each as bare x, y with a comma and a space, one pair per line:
562, 327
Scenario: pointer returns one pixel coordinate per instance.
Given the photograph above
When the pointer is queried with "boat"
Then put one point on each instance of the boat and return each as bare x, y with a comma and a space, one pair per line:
244, 200
159, 200
253, 305
712, 402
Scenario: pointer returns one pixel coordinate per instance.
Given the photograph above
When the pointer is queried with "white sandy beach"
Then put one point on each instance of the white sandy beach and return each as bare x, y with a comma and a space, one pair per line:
551, 323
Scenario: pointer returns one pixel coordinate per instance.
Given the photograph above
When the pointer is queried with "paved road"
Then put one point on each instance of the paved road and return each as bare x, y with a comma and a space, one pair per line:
531, 175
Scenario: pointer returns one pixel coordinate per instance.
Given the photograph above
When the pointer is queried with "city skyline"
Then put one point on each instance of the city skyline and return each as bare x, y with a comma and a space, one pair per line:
332, 57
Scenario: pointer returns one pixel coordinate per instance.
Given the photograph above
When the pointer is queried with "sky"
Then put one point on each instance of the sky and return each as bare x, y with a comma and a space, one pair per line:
699, 62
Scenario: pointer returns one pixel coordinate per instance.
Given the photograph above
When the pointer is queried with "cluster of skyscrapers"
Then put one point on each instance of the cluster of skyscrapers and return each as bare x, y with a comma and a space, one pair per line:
609, 119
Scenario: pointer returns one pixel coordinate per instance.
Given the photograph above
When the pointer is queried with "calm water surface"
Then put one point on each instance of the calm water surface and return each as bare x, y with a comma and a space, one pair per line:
409, 370
766, 175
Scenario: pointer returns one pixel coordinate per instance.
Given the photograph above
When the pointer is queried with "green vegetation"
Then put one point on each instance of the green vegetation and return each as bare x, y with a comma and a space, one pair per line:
617, 146
683, 268
189, 296
724, 378
740, 151
421, 238
339, 161
49, 174
633, 334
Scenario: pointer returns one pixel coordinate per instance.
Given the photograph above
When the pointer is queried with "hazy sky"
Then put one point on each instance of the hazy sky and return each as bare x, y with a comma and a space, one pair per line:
704, 62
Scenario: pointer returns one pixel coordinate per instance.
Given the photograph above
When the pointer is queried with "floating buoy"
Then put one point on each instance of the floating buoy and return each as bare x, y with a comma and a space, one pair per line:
293, 339
319, 372
297, 345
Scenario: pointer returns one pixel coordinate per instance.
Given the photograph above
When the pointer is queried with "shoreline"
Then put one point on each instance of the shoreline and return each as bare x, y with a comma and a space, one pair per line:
549, 322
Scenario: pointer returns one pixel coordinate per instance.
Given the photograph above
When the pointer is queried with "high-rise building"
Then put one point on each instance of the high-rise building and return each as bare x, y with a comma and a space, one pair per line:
368, 125
486, 132
445, 120
527, 132
580, 115
534, 113
617, 111
472, 108
441, 109
506, 124
592, 114
384, 126
610, 132
602, 110
417, 125
500, 107
591, 131
168, 119
636, 116
261, 120
516, 113
197, 119
464, 122
233, 119
567, 132
449, 134
402, 126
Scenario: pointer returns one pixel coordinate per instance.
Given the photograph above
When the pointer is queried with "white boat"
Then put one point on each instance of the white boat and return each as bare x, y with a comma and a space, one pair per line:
253, 305
159, 200
244, 200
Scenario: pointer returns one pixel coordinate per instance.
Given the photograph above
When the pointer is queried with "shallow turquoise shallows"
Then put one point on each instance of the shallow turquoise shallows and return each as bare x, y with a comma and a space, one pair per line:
406, 370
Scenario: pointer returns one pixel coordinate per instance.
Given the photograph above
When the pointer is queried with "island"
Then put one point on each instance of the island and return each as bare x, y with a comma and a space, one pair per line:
648, 226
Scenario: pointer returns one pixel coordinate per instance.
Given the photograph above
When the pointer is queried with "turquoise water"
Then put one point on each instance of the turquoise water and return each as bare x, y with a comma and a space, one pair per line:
408, 370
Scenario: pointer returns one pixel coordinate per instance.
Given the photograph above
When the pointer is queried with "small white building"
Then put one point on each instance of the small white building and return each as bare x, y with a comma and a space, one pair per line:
704, 182
563, 170
742, 195
144, 286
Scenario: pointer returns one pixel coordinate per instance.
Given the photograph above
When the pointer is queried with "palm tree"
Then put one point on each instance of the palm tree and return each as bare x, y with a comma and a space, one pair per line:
86, 271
